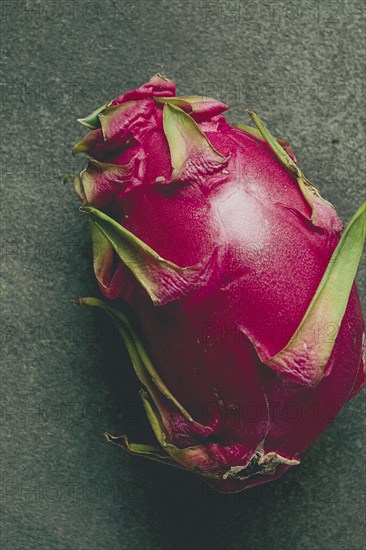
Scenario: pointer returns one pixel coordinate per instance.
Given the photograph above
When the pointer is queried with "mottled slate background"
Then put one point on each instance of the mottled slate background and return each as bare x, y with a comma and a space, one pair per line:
64, 377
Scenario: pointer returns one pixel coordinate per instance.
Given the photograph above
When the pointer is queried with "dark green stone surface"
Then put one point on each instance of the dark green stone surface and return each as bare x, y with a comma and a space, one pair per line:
64, 377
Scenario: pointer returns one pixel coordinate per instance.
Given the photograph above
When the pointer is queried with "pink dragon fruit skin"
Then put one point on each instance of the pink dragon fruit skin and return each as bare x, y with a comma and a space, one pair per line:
228, 256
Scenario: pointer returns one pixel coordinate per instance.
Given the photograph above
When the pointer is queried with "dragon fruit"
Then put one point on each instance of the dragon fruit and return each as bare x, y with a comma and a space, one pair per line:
250, 331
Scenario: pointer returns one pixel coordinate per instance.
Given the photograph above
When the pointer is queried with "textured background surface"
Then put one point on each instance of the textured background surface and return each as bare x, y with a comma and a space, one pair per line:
63, 379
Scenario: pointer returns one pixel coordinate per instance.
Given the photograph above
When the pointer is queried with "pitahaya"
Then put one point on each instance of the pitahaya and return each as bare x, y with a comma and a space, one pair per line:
252, 335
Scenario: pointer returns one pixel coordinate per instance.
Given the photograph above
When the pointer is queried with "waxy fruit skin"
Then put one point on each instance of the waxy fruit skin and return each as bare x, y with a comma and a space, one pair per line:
251, 336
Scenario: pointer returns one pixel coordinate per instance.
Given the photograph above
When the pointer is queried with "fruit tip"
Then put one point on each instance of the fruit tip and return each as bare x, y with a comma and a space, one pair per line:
84, 209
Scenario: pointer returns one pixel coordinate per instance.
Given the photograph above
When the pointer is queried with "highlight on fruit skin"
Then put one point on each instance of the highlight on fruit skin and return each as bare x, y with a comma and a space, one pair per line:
239, 274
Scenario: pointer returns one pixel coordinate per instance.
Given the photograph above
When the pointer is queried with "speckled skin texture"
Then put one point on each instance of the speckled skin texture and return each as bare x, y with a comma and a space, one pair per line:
64, 377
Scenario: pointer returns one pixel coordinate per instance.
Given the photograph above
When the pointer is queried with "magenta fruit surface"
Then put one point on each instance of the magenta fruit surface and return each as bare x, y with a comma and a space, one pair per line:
251, 332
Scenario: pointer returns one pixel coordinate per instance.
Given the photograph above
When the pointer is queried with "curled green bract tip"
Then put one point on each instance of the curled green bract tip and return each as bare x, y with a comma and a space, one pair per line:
92, 121
162, 279
157, 400
187, 143
307, 188
307, 353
